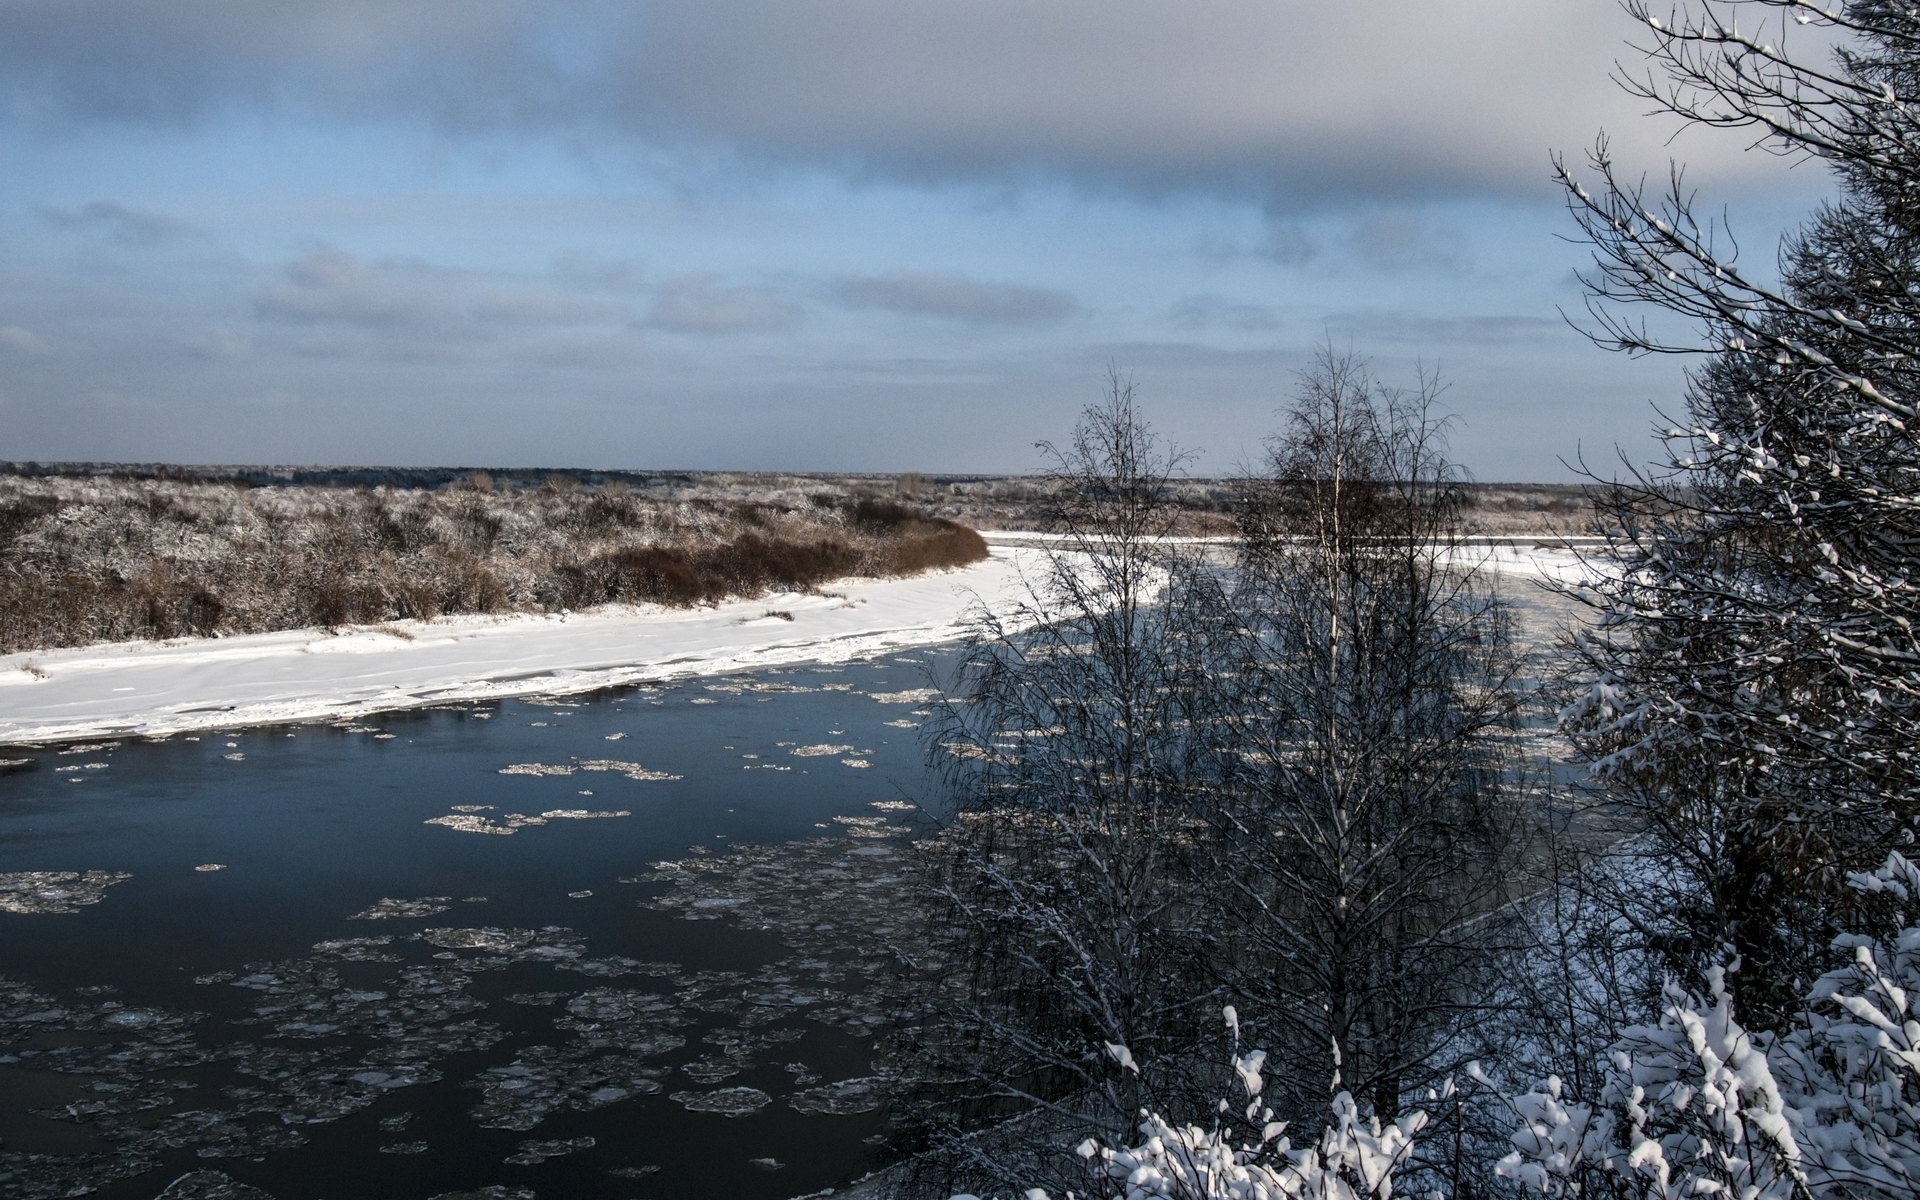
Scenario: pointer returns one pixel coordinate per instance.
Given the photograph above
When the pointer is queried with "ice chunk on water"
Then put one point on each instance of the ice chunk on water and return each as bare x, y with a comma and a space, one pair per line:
911, 696
425, 906
55, 891
532, 1153
462, 822
843, 1098
728, 1102
632, 770
536, 769
210, 1185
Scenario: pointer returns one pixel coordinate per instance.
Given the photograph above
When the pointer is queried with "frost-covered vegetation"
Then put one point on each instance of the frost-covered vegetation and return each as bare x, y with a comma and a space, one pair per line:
1291, 782
1203, 506
1708, 953
94, 559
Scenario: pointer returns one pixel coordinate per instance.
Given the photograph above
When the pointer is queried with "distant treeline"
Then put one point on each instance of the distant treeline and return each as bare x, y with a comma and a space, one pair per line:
981, 501
649, 482
96, 559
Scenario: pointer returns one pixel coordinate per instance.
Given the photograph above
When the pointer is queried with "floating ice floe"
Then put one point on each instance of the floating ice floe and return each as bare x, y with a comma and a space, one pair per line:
532, 1153
514, 822
55, 891
727, 1102
634, 1172
910, 696
209, 868
536, 769
823, 750
386, 908
210, 1185
367, 949
870, 827
632, 770
901, 723
541, 1080
493, 1191
843, 1098
469, 823
858, 764
548, 944
89, 747
710, 1070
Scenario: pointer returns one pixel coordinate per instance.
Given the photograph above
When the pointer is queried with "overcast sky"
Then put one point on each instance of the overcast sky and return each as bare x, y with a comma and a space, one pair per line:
804, 234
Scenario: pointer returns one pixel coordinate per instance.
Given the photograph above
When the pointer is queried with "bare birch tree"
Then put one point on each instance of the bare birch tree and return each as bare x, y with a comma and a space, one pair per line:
1281, 781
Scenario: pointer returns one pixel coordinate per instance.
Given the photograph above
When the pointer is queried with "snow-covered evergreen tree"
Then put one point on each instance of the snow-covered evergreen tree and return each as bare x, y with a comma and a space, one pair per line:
1755, 672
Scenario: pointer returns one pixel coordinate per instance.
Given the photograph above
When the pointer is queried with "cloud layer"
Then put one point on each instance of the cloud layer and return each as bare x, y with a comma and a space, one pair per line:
956, 297
1290, 101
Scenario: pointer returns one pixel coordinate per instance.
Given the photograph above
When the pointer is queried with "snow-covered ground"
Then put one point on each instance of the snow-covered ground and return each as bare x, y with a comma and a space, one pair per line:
222, 683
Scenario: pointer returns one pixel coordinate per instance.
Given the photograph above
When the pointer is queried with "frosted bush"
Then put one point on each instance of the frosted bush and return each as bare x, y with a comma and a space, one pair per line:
1695, 1105
1354, 1157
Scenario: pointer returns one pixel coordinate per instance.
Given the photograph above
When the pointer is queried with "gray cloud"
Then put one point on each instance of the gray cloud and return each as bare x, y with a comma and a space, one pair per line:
1289, 244
1436, 333
955, 297
22, 341
1400, 240
1210, 311
700, 304
118, 223
1270, 98
345, 306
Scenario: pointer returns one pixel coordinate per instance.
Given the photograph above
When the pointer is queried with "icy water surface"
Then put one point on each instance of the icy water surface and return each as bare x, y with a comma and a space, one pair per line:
503, 946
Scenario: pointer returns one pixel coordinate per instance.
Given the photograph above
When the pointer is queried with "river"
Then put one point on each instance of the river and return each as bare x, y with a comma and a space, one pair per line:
353, 960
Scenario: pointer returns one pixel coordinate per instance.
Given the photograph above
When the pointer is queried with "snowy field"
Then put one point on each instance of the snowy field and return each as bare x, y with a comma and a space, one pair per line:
152, 688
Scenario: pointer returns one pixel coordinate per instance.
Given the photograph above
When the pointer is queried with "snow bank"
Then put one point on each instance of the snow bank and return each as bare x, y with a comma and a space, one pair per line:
207, 683
299, 675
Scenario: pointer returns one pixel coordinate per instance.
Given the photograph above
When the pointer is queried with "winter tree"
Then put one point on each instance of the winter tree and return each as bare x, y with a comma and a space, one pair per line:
1368, 820
1068, 871
1280, 777
1755, 670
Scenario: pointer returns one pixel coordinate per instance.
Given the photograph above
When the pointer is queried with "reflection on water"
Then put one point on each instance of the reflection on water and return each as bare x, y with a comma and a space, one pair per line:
633, 944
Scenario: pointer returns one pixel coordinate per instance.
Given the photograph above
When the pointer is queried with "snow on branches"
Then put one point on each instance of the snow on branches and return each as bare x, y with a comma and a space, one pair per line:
1696, 1105
1244, 1154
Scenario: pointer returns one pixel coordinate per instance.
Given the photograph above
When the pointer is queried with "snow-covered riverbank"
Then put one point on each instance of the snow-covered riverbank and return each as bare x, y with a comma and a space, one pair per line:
139, 688
223, 683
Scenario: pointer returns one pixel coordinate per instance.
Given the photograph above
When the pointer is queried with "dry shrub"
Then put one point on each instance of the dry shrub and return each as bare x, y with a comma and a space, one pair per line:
91, 559
942, 544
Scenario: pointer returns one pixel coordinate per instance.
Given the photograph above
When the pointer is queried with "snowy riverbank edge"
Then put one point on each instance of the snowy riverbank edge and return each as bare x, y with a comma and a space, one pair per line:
192, 684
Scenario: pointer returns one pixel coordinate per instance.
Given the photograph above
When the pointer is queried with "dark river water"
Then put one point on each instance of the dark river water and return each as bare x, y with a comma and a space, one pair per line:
532, 996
